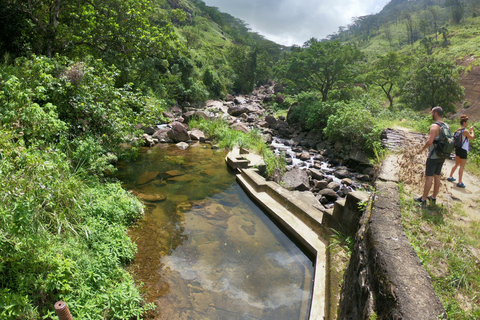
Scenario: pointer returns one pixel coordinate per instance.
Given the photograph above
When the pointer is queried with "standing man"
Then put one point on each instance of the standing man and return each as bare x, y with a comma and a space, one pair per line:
434, 164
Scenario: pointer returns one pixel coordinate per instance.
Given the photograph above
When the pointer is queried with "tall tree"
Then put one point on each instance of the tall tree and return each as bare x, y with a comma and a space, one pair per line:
433, 82
387, 71
321, 66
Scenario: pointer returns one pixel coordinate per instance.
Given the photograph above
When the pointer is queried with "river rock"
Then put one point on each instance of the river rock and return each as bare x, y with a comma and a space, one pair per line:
168, 115
296, 179
174, 173
304, 156
182, 145
320, 185
369, 170
150, 197
197, 134
237, 111
161, 134
148, 140
240, 127
359, 156
147, 177
346, 181
229, 97
334, 186
178, 132
177, 110
329, 194
146, 129
315, 174
342, 173
364, 177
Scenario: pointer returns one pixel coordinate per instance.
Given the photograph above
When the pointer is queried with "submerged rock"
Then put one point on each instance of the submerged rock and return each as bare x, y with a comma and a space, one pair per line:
147, 177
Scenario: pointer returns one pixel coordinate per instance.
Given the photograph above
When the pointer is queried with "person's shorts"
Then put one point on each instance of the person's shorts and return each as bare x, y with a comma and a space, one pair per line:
462, 153
434, 166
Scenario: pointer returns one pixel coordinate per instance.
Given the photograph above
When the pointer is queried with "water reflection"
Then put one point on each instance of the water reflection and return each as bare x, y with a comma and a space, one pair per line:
205, 251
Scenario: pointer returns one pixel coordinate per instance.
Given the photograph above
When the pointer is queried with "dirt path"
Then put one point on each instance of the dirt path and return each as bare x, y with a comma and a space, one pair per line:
412, 167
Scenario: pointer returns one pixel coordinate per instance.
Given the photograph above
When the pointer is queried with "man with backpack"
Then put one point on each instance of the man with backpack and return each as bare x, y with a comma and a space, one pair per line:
440, 144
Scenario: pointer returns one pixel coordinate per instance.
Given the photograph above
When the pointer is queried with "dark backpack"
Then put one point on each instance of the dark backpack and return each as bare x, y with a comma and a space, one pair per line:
445, 143
458, 137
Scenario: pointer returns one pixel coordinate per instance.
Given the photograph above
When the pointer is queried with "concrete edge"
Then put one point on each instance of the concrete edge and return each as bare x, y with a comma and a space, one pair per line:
291, 213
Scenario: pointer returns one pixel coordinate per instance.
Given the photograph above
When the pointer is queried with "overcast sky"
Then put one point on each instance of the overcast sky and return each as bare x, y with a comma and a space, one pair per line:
291, 22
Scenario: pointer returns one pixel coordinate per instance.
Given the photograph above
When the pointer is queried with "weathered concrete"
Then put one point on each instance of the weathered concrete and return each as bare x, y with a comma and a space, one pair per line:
385, 275
284, 207
239, 158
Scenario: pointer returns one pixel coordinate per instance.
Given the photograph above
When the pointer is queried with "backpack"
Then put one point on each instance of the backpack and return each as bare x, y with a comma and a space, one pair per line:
445, 144
458, 137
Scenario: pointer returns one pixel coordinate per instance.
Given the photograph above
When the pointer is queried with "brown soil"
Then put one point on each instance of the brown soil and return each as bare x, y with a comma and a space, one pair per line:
470, 105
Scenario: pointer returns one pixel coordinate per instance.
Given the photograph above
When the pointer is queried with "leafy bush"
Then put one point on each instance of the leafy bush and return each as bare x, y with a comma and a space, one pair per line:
309, 111
62, 237
355, 123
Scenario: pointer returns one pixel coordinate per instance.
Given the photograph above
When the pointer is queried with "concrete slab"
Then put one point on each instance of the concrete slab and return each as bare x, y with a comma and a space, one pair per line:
389, 169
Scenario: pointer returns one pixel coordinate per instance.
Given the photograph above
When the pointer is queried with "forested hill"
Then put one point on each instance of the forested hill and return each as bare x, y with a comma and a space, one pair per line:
181, 50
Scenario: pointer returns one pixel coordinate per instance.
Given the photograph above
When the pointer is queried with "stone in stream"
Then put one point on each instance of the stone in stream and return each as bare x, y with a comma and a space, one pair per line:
320, 184
334, 186
304, 156
329, 194
174, 173
182, 145
342, 173
178, 132
296, 179
315, 174
150, 197
147, 177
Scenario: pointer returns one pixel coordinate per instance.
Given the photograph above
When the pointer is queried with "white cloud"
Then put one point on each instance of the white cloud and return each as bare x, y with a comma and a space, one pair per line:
291, 22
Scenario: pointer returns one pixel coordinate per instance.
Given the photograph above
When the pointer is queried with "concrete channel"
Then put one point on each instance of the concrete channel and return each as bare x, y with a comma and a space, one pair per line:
308, 225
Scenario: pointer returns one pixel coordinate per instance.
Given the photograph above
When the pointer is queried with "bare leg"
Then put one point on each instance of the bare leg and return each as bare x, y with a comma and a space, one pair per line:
428, 186
436, 185
457, 162
460, 171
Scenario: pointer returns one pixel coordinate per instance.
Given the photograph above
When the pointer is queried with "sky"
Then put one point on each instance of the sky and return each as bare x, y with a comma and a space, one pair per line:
290, 22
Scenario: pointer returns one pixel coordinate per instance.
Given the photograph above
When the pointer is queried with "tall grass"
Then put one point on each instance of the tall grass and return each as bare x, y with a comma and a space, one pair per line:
220, 133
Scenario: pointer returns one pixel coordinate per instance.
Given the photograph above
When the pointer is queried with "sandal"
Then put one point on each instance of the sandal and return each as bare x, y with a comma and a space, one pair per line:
460, 185
451, 179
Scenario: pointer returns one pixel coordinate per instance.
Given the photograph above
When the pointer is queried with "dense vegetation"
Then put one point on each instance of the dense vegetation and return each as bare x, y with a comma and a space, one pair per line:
77, 76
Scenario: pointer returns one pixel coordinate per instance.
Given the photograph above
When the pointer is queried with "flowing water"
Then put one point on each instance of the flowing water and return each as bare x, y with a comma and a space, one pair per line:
205, 250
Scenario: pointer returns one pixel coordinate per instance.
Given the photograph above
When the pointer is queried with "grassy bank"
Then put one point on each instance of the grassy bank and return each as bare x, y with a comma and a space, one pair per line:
448, 250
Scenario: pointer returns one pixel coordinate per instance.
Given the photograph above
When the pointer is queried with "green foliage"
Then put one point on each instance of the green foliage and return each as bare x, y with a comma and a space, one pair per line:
319, 66
433, 82
62, 237
355, 122
387, 71
309, 111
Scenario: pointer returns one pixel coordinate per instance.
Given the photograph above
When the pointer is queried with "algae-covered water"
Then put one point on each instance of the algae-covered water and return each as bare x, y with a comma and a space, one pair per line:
205, 251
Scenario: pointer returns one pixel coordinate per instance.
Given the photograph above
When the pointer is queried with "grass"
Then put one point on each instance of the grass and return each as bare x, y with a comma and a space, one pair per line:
446, 251
220, 133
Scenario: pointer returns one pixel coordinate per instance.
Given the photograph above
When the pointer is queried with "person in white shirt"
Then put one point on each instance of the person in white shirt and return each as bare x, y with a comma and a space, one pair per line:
462, 152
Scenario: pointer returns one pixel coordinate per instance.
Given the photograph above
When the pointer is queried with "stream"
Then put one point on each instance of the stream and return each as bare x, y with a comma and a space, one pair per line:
205, 250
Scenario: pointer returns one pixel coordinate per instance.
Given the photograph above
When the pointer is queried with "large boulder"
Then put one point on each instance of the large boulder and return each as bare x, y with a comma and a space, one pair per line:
296, 179
178, 132
237, 111
161, 134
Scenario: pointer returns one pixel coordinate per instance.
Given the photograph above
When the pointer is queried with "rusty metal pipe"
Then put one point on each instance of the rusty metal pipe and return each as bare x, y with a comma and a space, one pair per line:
62, 311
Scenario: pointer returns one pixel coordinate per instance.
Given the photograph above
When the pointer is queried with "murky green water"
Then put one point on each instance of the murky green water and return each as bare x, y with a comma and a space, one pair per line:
205, 251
